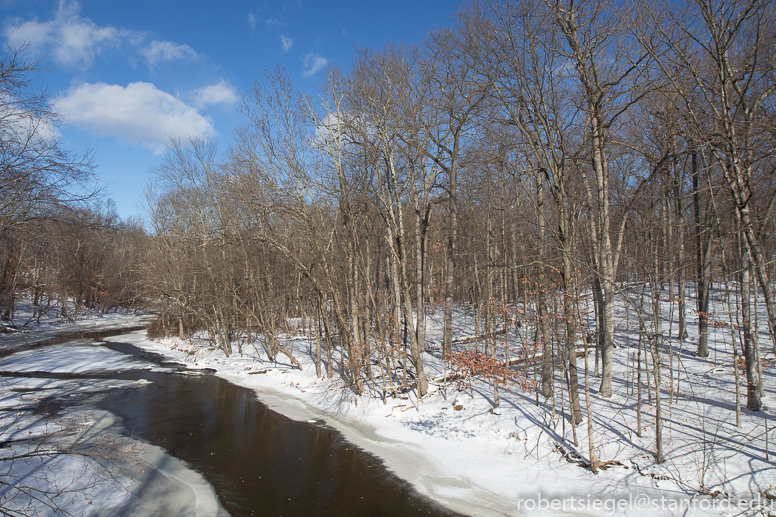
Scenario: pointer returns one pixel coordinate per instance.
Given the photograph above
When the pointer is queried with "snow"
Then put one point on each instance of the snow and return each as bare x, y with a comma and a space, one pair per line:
512, 460
134, 478
508, 461
73, 358
27, 319
29, 331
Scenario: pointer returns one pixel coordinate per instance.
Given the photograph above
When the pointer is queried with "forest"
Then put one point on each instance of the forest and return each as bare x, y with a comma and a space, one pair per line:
527, 174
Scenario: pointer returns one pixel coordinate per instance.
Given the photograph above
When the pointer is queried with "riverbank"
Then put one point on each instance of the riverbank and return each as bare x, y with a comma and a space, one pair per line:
412, 456
61, 457
176, 441
513, 459
49, 328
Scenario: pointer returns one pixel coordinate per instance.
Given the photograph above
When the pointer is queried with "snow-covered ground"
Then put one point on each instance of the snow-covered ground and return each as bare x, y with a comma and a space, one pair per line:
49, 325
27, 320
81, 463
514, 460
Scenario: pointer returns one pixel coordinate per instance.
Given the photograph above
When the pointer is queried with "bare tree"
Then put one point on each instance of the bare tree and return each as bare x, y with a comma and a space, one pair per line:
608, 71
37, 174
717, 57
385, 91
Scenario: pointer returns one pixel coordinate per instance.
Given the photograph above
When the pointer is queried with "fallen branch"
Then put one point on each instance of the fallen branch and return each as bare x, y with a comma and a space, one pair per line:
480, 337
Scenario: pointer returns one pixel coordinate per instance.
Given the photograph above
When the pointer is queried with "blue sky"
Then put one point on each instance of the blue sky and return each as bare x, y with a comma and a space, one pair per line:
128, 74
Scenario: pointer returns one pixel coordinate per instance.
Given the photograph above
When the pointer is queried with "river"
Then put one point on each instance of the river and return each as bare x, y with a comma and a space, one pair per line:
258, 461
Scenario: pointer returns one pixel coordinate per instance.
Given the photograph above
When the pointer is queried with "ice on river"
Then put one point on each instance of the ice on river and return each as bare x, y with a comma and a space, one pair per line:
132, 478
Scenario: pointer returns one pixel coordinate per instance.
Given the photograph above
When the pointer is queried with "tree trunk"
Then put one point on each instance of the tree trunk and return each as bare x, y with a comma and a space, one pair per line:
659, 457
452, 245
544, 324
752, 393
594, 462
569, 290
703, 264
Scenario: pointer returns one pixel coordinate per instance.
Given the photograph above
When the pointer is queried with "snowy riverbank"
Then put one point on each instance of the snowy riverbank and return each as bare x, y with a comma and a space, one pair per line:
80, 462
49, 326
510, 461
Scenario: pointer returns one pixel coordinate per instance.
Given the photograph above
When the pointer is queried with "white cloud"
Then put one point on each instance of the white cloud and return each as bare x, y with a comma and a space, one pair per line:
287, 43
312, 63
274, 22
139, 113
251, 20
221, 93
74, 41
160, 51
70, 39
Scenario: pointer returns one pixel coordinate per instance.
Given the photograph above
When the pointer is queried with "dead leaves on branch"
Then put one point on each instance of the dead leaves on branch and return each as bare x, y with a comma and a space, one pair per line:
468, 364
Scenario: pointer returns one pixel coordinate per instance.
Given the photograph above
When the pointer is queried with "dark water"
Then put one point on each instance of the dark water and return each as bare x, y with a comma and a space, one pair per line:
260, 462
